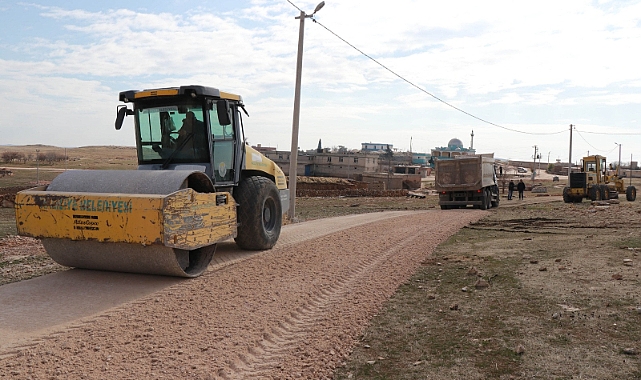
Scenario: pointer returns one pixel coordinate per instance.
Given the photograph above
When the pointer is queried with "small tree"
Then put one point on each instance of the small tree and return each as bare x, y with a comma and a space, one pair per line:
12, 156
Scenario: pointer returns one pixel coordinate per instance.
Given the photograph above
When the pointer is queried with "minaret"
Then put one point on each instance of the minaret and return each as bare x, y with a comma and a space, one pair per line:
320, 147
472, 143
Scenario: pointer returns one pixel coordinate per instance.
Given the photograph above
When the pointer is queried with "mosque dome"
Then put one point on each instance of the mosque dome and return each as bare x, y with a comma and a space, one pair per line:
455, 143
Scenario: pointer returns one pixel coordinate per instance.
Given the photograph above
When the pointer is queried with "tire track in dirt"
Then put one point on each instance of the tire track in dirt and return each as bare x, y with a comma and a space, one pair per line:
68, 299
259, 362
290, 313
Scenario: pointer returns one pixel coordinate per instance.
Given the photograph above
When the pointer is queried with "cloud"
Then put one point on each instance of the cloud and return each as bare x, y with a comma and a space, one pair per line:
545, 64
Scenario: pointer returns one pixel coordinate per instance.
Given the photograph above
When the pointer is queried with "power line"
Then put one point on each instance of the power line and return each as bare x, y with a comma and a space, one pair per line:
449, 104
429, 93
613, 134
592, 146
294, 5
420, 88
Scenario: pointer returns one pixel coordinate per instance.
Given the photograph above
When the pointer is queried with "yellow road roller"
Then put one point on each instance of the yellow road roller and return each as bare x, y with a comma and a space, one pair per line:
197, 184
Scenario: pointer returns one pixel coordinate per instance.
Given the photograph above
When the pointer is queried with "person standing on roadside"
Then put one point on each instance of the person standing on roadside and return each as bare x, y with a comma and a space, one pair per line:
520, 187
510, 190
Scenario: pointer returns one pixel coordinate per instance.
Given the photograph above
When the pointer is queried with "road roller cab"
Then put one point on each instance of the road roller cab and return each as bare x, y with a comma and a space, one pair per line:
198, 183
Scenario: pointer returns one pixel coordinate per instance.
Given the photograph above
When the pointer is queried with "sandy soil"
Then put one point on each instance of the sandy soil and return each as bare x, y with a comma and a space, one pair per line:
292, 312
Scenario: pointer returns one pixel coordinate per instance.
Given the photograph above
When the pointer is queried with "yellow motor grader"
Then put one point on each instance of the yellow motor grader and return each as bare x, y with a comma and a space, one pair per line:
597, 182
198, 183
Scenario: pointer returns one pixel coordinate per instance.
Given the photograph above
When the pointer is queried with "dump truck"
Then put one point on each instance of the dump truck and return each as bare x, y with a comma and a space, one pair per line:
466, 181
596, 181
197, 184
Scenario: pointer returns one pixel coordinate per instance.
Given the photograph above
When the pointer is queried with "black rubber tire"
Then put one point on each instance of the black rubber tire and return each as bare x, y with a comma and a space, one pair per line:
567, 198
605, 192
485, 200
444, 207
595, 193
495, 202
260, 214
631, 193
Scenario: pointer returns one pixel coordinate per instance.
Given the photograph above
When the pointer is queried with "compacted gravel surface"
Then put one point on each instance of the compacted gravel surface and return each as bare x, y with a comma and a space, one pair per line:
293, 312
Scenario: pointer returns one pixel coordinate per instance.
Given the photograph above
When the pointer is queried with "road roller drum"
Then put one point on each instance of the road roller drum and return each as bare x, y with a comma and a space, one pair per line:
129, 221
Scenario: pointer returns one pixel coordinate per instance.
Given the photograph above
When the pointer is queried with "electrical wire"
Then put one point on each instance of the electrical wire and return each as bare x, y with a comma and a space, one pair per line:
422, 89
613, 134
429, 93
592, 146
294, 5
449, 104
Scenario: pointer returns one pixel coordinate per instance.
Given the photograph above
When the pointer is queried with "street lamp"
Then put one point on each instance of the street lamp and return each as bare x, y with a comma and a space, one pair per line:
293, 156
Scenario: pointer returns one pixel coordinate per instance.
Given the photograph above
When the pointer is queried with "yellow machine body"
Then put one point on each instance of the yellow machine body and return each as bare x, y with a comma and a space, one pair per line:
597, 182
184, 219
197, 184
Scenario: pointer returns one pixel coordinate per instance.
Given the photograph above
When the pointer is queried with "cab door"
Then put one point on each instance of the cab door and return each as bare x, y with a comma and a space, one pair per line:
223, 138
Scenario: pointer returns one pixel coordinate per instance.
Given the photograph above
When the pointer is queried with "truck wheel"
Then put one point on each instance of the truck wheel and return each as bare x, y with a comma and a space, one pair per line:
259, 213
595, 193
605, 192
631, 193
567, 198
484, 204
495, 201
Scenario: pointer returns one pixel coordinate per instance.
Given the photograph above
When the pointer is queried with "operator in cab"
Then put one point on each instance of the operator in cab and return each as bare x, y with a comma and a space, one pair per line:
191, 135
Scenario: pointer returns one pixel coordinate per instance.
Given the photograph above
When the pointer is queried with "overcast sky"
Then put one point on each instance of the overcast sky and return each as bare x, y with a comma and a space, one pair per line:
527, 69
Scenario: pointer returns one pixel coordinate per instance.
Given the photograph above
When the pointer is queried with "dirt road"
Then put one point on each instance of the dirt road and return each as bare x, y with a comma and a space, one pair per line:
292, 312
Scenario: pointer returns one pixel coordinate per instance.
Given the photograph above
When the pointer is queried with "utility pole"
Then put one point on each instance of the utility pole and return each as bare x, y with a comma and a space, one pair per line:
619, 163
37, 166
570, 159
293, 155
534, 163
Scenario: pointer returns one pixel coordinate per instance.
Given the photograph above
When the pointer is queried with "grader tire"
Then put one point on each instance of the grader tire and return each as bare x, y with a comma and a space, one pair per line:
605, 192
567, 198
595, 193
631, 193
259, 213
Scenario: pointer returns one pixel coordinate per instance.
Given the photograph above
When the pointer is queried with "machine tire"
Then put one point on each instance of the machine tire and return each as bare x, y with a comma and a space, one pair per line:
631, 193
605, 192
595, 193
444, 207
567, 198
260, 213
484, 204
495, 202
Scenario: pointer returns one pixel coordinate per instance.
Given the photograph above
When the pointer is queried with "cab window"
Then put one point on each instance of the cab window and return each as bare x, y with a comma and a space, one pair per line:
224, 142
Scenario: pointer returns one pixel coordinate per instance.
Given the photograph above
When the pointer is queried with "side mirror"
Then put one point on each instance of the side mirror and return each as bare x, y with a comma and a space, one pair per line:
222, 108
120, 115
